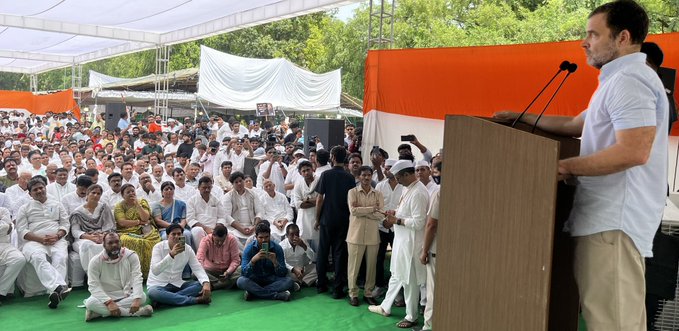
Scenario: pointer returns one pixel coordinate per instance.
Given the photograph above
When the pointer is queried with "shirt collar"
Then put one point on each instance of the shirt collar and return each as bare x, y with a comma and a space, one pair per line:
610, 68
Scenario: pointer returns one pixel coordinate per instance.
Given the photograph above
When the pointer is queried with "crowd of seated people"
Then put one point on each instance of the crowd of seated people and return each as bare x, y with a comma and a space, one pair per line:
135, 208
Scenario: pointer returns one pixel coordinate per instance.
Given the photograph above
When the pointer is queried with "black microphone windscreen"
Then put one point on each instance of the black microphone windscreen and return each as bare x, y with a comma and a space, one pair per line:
564, 65
572, 67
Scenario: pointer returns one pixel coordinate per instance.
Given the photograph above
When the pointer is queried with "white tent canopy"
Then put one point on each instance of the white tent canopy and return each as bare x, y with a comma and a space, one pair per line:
41, 35
240, 83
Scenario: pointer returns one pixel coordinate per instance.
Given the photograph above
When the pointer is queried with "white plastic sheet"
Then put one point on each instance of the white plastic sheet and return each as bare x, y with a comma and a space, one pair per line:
240, 83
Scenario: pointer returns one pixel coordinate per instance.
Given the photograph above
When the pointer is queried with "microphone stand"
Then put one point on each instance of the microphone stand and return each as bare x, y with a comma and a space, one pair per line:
564, 65
570, 71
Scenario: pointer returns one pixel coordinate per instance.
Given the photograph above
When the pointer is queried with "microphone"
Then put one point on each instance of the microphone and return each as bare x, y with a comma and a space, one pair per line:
565, 65
572, 67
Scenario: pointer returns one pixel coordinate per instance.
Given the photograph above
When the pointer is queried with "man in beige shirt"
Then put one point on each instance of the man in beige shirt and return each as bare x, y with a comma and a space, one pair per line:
363, 236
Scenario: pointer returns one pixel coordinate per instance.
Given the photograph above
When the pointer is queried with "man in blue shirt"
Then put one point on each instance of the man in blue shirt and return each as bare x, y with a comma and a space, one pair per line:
264, 274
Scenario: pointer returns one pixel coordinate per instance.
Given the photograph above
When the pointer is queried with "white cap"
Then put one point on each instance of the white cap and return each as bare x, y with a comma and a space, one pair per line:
422, 163
38, 140
298, 151
389, 163
170, 120
400, 165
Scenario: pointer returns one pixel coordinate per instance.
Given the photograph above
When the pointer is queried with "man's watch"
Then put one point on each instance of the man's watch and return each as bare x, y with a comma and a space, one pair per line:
399, 221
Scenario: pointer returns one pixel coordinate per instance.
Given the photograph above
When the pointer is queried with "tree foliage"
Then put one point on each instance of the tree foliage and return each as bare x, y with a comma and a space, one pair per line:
321, 42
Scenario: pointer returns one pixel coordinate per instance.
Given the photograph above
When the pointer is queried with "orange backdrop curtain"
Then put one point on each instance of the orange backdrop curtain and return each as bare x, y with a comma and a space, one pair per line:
59, 102
478, 81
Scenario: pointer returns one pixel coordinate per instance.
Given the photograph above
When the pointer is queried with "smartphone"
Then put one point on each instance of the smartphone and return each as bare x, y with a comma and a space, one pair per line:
182, 240
265, 247
410, 137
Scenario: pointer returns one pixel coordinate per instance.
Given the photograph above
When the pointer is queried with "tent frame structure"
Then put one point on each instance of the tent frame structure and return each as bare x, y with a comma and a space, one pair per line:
40, 59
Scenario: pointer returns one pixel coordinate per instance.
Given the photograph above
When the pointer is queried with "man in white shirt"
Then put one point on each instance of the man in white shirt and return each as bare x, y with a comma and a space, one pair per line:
274, 169
168, 260
57, 190
11, 259
113, 196
75, 199
322, 159
277, 210
182, 191
428, 257
158, 176
304, 199
115, 283
236, 154
243, 209
203, 211
171, 147
35, 165
222, 181
391, 191
42, 225
423, 173
408, 221
621, 171
18, 193
299, 257
207, 161
129, 177
147, 191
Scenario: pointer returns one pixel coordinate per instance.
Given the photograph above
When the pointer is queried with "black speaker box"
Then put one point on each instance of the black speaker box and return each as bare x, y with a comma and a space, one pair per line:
331, 132
112, 115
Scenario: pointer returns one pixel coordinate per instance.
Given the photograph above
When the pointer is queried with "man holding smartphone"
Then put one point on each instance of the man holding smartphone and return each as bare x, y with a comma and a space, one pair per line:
165, 283
264, 273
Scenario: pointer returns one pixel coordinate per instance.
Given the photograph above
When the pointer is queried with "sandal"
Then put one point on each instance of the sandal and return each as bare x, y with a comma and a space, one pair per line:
378, 310
406, 324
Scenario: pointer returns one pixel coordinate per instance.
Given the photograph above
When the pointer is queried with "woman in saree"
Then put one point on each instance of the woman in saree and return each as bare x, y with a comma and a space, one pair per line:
136, 227
169, 210
89, 223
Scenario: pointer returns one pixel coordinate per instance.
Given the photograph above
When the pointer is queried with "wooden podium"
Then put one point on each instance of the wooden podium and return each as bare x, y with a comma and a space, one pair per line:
503, 261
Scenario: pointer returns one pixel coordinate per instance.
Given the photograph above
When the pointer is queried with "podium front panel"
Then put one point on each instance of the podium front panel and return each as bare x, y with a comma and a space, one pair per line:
495, 236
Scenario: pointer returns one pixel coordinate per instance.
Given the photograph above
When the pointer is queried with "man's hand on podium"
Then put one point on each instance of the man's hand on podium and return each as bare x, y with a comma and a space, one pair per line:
506, 115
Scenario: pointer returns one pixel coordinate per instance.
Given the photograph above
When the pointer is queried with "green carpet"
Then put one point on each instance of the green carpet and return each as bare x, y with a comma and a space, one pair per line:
306, 311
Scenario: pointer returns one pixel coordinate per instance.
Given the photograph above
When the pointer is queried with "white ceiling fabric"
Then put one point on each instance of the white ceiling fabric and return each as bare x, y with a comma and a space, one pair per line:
41, 35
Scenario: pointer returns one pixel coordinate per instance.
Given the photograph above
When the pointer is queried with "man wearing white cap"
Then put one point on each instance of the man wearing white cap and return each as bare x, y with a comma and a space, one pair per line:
391, 191
423, 172
408, 221
6, 128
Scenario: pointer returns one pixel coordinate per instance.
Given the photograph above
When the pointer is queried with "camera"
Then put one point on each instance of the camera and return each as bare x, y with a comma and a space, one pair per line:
312, 141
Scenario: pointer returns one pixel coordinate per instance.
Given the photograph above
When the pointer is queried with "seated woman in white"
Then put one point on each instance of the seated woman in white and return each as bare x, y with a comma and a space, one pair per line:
89, 222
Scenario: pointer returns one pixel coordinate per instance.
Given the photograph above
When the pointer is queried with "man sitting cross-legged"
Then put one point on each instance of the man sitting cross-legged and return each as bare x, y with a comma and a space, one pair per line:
264, 274
165, 284
299, 257
115, 282
219, 255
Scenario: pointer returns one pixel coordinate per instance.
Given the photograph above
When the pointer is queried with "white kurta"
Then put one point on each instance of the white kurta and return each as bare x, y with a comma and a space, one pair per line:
207, 213
408, 238
305, 217
150, 197
184, 193
391, 198
168, 270
56, 191
277, 208
276, 176
72, 201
